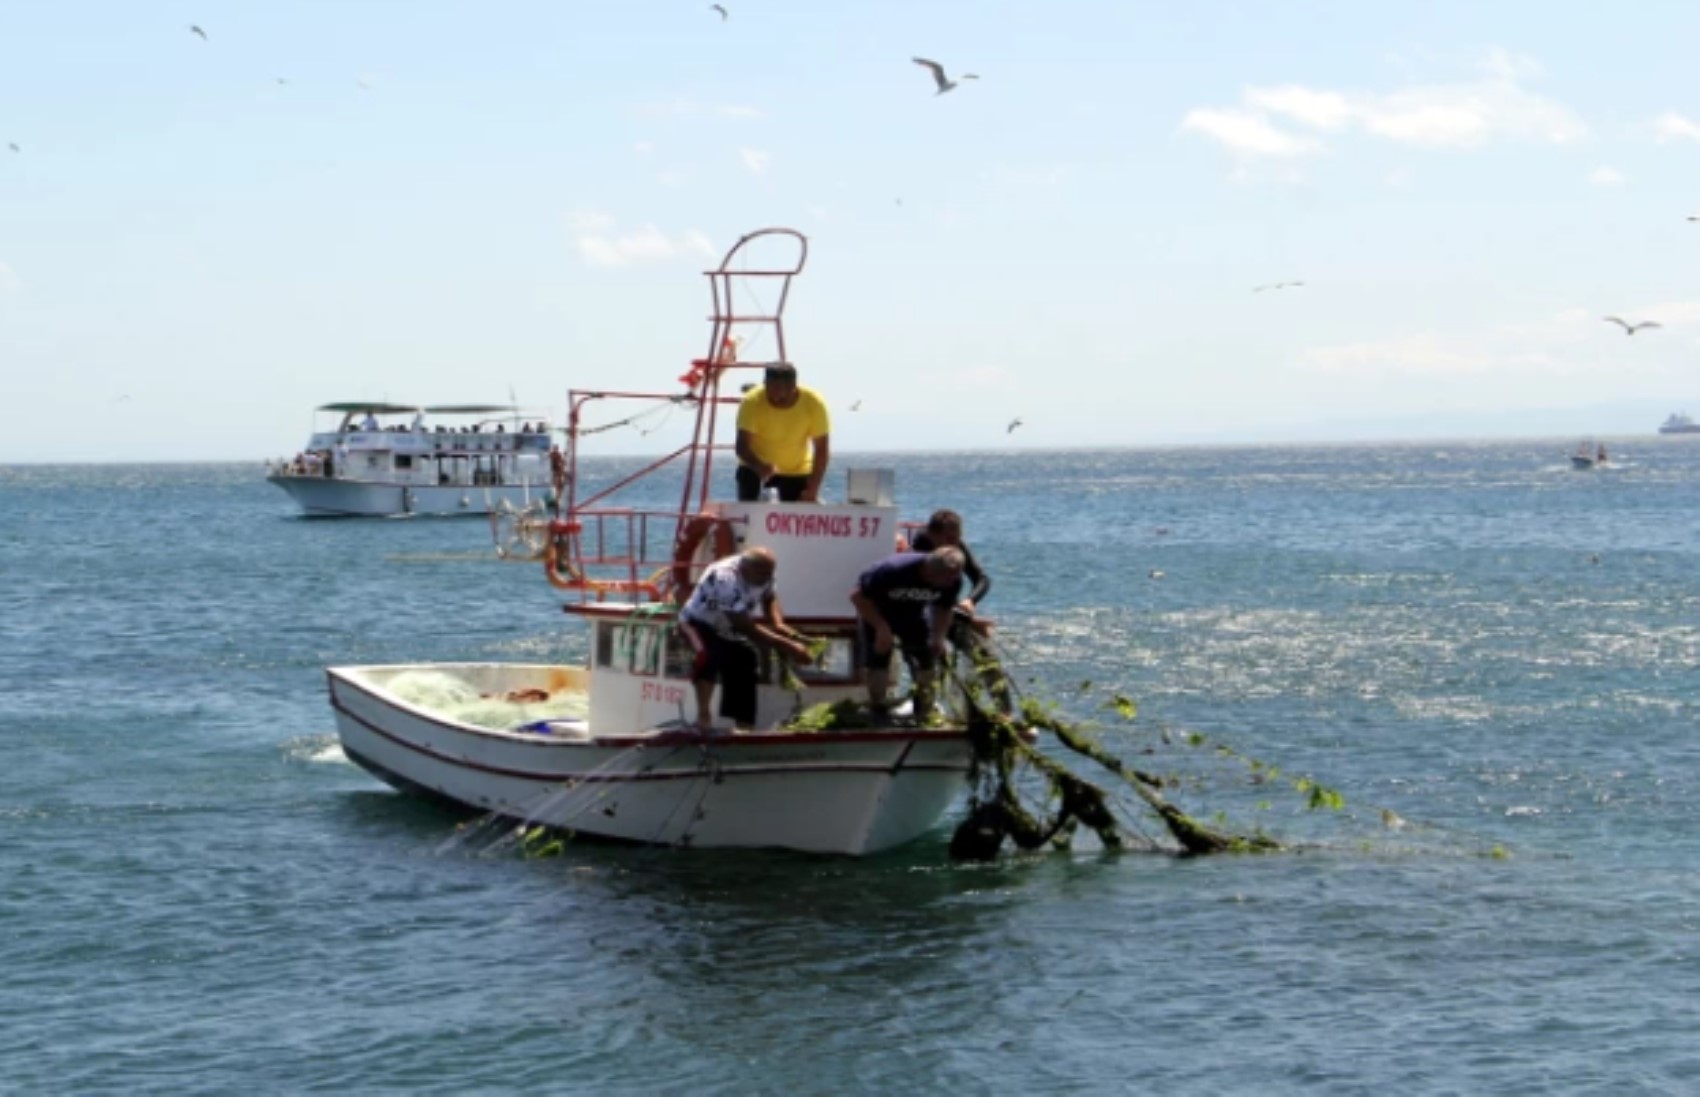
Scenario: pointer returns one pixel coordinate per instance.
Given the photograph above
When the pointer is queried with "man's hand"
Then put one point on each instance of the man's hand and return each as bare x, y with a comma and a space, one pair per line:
882, 639
966, 606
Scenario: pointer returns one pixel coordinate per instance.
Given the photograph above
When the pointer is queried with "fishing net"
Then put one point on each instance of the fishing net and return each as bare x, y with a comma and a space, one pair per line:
1043, 775
455, 698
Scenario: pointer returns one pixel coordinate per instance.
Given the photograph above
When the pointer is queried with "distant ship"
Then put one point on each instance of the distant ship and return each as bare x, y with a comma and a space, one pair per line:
1679, 424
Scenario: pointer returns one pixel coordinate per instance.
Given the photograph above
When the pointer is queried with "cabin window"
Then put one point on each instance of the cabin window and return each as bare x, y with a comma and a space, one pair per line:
403, 461
638, 647
605, 644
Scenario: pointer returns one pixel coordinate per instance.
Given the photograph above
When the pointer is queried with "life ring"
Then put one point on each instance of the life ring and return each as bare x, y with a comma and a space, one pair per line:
690, 539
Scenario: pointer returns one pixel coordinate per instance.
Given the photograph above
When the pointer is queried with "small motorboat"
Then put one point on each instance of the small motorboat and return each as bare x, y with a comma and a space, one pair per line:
1588, 455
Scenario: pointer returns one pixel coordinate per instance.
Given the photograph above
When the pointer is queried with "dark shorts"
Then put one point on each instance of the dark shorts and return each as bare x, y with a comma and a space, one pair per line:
735, 664
791, 488
912, 635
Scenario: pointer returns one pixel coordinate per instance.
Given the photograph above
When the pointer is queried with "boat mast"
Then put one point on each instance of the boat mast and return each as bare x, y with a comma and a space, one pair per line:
727, 338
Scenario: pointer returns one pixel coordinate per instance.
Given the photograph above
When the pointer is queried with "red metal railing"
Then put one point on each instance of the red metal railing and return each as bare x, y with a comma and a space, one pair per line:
597, 567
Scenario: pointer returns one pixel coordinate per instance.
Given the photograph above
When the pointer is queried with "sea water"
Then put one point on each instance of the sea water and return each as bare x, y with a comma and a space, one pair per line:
199, 894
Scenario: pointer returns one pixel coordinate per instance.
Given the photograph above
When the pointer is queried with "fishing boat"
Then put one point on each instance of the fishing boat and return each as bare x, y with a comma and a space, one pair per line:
1679, 423
609, 748
387, 460
1588, 455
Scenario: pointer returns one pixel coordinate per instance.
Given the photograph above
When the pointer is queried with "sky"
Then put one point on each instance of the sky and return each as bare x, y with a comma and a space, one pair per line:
423, 201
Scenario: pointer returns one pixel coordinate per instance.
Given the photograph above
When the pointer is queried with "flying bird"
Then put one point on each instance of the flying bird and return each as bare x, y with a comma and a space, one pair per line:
857, 406
1631, 329
1276, 285
13, 145
724, 14
199, 31
944, 82
1013, 423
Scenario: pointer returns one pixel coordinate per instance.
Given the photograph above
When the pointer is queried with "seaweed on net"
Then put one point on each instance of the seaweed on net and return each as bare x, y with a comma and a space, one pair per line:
996, 809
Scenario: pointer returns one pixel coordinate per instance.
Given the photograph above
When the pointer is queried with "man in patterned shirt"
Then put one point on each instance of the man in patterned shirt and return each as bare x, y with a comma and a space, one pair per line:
733, 609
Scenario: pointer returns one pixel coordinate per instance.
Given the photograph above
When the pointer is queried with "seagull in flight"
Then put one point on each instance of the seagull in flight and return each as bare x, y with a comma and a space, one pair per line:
1276, 285
944, 82
1013, 423
13, 145
199, 31
724, 14
857, 406
1631, 329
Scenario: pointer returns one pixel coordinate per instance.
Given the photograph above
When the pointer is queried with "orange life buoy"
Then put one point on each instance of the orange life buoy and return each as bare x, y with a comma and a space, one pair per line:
690, 538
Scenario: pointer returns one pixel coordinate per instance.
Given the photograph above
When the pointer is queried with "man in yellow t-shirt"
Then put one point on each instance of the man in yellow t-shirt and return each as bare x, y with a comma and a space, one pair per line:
782, 438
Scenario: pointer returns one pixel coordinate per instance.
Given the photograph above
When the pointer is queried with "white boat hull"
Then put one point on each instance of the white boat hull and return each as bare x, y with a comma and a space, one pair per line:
833, 792
321, 496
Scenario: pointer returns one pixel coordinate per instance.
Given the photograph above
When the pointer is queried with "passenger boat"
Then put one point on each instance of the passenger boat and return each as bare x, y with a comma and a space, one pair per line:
383, 460
609, 748
1679, 423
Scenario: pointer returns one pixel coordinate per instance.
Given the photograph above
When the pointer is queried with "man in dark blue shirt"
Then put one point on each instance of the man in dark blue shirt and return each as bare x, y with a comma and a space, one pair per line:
968, 632
892, 599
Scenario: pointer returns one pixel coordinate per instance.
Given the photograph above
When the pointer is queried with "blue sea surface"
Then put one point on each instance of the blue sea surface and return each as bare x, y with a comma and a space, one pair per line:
199, 894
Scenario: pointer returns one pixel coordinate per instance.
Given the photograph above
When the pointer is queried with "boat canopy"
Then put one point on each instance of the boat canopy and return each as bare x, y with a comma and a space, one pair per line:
470, 409
366, 405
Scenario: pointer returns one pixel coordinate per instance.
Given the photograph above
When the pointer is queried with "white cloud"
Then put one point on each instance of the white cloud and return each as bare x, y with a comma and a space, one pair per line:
1563, 344
1460, 115
1605, 176
1671, 126
601, 244
643, 148
1424, 354
754, 159
1323, 110
8, 279
1246, 134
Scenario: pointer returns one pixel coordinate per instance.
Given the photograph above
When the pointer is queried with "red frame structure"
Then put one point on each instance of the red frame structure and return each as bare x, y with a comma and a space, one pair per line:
600, 568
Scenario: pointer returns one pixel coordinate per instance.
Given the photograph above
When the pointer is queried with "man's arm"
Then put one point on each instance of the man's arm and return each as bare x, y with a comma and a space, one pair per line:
981, 583
756, 631
823, 454
867, 611
941, 625
747, 455
772, 611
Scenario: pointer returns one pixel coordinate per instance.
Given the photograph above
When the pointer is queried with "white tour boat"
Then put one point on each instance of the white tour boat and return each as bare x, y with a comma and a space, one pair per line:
609, 748
380, 460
